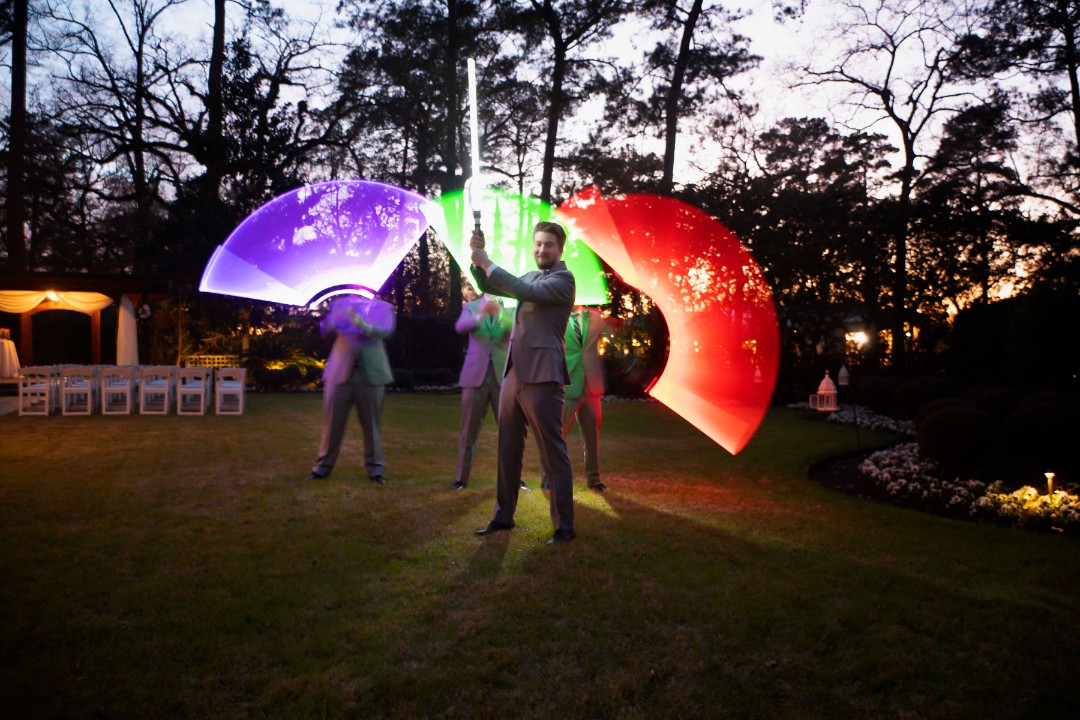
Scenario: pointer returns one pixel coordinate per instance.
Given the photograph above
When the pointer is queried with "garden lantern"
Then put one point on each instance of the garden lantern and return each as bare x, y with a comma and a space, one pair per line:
825, 399
1049, 482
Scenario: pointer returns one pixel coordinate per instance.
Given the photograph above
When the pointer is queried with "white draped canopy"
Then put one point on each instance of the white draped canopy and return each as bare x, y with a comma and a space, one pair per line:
127, 337
127, 344
20, 301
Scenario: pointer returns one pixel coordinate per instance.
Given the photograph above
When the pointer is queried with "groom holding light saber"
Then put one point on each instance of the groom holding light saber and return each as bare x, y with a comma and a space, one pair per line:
532, 392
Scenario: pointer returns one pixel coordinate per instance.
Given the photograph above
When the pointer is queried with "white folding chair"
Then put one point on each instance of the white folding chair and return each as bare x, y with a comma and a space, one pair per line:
37, 390
155, 389
78, 390
117, 390
229, 391
193, 390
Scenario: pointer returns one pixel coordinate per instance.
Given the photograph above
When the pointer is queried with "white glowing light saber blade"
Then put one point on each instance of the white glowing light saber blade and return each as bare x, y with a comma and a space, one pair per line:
474, 138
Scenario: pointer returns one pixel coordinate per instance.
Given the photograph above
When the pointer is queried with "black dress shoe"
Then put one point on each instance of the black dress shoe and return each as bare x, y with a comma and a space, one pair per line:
378, 479
523, 486
545, 485
458, 486
494, 526
599, 487
315, 476
561, 536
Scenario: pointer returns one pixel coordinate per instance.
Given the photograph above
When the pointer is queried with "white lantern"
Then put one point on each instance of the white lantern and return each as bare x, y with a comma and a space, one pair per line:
825, 399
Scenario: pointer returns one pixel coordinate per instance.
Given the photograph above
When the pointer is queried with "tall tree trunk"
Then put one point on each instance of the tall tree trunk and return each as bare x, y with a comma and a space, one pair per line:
138, 155
452, 181
1072, 65
16, 201
214, 146
558, 80
671, 102
900, 273
422, 179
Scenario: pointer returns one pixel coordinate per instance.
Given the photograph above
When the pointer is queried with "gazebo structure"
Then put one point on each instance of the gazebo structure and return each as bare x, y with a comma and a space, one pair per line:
27, 295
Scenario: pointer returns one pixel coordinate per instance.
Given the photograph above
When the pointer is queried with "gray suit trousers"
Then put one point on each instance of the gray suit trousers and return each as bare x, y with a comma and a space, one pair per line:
474, 405
368, 400
587, 410
539, 407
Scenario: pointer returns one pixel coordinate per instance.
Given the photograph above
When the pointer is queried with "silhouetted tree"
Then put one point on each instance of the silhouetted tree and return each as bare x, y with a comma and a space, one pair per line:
967, 211
566, 29
1039, 42
898, 65
15, 21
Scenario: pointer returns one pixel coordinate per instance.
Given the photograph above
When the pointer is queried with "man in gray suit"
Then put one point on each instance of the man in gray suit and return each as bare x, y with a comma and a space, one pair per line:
356, 374
488, 325
532, 386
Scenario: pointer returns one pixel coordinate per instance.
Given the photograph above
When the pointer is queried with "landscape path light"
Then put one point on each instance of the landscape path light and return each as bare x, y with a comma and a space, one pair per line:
843, 379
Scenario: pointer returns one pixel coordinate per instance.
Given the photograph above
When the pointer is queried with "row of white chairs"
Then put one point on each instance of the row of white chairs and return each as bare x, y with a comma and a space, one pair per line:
123, 389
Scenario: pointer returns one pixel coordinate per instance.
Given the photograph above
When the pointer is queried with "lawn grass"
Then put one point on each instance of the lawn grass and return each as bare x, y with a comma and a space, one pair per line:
178, 567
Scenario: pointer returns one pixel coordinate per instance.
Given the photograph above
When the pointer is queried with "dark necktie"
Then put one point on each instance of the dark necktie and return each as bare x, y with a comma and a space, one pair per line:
576, 317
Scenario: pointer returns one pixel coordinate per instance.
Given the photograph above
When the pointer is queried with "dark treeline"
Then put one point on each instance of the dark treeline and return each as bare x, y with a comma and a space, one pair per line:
133, 144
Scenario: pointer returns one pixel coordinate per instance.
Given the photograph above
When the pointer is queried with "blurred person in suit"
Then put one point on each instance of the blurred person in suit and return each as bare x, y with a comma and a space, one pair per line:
585, 389
488, 325
356, 375
533, 382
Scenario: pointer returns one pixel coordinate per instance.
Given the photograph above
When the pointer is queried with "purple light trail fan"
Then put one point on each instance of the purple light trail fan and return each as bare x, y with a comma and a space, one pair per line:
341, 236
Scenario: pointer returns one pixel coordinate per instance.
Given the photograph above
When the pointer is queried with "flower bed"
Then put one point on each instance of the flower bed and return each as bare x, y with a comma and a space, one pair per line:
904, 475
865, 418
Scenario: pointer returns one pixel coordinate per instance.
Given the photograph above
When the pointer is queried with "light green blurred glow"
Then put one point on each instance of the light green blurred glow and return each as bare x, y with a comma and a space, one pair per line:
507, 221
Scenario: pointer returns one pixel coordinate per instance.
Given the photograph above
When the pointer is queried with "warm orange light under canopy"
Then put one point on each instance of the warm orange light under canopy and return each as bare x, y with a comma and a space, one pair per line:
724, 341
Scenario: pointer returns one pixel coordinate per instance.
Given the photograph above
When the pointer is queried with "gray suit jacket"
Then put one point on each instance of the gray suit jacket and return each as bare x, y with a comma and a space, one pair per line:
488, 341
537, 343
358, 326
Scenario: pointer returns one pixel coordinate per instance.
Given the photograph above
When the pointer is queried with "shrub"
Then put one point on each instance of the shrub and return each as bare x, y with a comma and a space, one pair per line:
929, 408
270, 380
962, 438
942, 386
998, 402
1044, 396
1041, 436
442, 377
908, 397
876, 392
293, 375
403, 379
